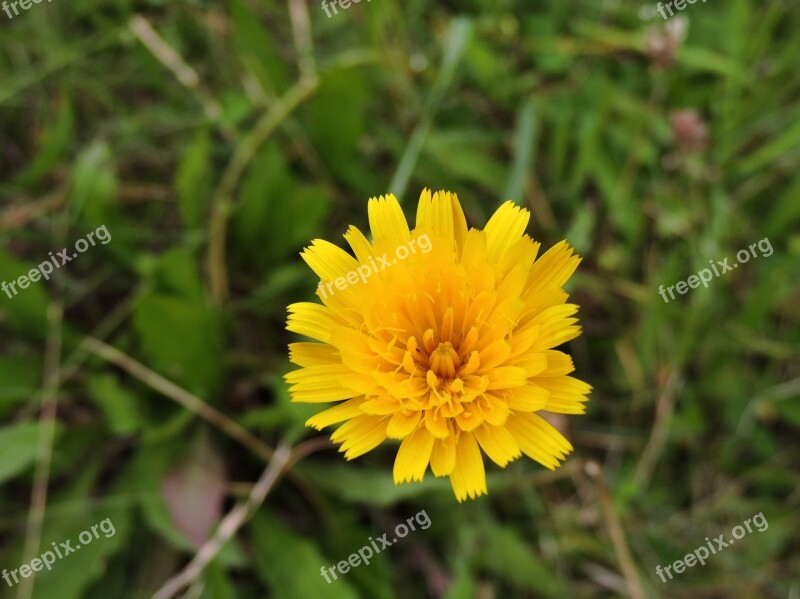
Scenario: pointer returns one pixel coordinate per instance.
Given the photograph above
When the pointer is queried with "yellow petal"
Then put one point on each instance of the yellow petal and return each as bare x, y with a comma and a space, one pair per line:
470, 419
441, 213
523, 337
403, 423
328, 260
505, 229
558, 364
360, 435
312, 320
498, 444
313, 354
538, 439
529, 398
354, 349
494, 355
480, 273
468, 478
507, 377
557, 327
413, 457
387, 221
494, 409
361, 247
554, 267
443, 457
567, 394
523, 252
534, 363
339, 413
320, 384
436, 425
381, 406
540, 299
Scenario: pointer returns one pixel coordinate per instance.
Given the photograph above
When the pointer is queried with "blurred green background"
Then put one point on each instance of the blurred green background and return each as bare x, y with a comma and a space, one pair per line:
215, 140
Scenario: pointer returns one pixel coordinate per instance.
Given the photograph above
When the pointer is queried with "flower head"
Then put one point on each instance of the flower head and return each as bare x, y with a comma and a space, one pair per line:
442, 338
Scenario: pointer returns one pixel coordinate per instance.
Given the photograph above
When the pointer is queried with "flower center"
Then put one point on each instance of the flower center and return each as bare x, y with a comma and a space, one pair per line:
447, 372
444, 361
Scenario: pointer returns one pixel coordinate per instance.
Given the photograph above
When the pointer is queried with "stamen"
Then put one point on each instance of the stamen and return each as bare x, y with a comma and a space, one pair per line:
433, 380
469, 342
428, 340
472, 365
408, 363
445, 361
457, 386
447, 325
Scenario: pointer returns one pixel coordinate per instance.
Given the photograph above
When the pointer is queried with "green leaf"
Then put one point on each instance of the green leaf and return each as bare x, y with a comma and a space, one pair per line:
266, 183
785, 212
269, 200
218, 585
278, 285
71, 576
143, 479
183, 341
27, 310
290, 564
295, 414
335, 132
257, 50
18, 446
789, 409
306, 212
55, 143
713, 62
786, 141
504, 553
175, 273
468, 156
193, 179
372, 486
459, 34
194, 490
524, 142
20, 378
93, 193
120, 406
581, 233
462, 585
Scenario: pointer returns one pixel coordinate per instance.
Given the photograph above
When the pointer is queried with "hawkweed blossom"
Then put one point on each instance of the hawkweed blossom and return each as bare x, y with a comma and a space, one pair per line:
451, 352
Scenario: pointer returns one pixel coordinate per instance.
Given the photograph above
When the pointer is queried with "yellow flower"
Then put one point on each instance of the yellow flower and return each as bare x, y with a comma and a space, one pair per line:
441, 337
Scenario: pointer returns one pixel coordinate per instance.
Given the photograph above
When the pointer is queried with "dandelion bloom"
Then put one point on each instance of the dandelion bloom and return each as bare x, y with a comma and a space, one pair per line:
446, 345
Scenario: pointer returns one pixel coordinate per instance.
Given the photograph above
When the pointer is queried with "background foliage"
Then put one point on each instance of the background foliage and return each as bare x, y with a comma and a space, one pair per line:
215, 140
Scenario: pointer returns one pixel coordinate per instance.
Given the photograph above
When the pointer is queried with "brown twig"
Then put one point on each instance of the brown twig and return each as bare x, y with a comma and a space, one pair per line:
16, 216
616, 532
242, 156
47, 425
184, 73
189, 401
665, 408
301, 31
282, 460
